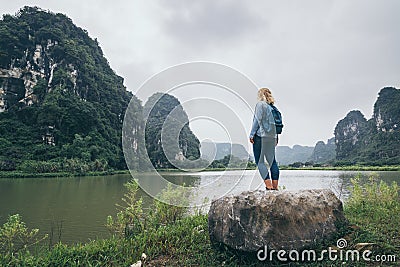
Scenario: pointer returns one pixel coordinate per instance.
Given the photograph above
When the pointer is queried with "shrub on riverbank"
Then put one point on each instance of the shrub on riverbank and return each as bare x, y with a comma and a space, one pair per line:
373, 209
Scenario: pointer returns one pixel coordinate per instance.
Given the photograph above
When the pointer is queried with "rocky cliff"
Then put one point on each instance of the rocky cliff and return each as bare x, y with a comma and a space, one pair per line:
387, 110
324, 153
167, 132
373, 141
59, 98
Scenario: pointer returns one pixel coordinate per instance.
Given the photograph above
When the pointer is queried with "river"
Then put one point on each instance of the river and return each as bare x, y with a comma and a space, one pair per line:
75, 209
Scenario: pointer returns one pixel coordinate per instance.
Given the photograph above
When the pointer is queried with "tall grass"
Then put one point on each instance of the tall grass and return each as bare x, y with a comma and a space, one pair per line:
375, 208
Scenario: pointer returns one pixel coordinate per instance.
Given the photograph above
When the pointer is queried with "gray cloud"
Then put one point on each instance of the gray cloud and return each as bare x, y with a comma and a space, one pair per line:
207, 23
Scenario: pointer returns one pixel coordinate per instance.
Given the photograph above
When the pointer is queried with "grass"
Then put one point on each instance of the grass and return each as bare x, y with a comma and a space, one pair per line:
170, 238
375, 208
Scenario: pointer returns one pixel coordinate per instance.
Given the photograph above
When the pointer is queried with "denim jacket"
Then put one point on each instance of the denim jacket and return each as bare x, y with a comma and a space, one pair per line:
263, 121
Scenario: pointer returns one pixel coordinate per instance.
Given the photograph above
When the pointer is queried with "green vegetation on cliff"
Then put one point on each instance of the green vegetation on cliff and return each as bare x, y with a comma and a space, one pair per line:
375, 141
61, 105
167, 133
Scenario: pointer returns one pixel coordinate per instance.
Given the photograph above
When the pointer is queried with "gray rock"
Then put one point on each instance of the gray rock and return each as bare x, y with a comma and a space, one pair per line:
277, 219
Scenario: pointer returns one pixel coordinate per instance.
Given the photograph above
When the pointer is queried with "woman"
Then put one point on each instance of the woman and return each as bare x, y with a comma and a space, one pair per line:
264, 139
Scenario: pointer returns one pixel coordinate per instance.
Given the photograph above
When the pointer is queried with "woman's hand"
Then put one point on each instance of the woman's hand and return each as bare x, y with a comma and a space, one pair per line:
252, 140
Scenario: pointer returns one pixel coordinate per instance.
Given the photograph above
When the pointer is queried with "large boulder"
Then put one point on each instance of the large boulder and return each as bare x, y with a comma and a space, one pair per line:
277, 219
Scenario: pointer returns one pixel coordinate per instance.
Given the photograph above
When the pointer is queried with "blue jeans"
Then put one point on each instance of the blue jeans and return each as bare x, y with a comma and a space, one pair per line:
264, 148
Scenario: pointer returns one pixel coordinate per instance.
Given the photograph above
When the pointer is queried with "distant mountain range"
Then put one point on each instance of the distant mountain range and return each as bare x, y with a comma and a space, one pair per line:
285, 155
213, 151
324, 153
320, 153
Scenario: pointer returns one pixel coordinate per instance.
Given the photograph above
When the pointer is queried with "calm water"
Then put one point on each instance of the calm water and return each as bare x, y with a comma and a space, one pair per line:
78, 207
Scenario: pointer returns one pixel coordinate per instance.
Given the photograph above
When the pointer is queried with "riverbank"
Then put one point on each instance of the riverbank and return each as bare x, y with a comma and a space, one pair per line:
170, 239
321, 168
21, 174
345, 168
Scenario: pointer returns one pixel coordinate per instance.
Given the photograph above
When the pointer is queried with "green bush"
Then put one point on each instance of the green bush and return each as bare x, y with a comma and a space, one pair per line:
170, 206
373, 200
16, 237
130, 217
374, 206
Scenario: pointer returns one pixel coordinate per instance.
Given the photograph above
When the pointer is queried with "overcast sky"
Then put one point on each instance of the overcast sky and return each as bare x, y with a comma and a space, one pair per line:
321, 59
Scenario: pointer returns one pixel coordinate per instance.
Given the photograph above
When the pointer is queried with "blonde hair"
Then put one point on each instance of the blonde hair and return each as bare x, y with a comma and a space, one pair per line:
264, 94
